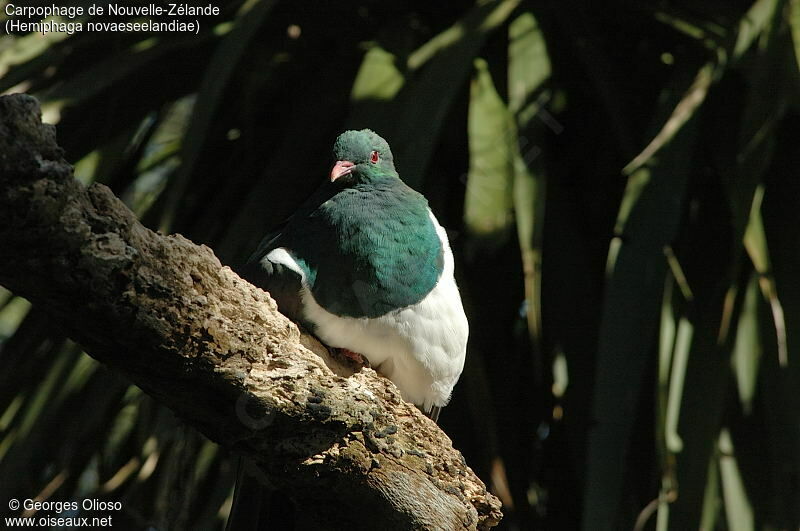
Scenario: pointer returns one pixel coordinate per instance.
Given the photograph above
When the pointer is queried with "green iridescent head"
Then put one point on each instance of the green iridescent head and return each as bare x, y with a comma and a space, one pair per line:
361, 154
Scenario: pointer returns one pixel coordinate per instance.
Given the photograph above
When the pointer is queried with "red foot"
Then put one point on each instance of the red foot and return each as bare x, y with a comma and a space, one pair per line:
354, 357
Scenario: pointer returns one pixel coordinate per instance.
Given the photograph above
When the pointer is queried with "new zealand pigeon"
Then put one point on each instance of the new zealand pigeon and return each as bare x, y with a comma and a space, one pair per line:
365, 266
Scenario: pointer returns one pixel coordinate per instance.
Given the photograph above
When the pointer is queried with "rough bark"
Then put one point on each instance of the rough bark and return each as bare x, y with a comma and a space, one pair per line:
191, 333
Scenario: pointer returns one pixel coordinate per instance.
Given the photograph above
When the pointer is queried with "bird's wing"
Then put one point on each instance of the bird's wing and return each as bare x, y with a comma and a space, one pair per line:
267, 243
270, 241
276, 272
359, 253
282, 281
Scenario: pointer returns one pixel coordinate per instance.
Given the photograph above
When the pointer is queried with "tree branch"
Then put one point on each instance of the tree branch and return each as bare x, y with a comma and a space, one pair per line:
212, 347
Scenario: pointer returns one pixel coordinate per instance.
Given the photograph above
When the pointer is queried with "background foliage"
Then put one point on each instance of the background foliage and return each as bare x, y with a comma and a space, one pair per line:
619, 182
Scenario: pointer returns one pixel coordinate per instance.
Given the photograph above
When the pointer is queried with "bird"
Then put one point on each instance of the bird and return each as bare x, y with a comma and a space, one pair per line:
365, 266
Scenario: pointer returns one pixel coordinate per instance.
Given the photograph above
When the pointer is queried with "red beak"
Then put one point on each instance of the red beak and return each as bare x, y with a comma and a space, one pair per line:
342, 167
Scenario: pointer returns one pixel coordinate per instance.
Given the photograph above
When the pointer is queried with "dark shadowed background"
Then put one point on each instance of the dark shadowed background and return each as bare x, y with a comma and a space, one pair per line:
619, 182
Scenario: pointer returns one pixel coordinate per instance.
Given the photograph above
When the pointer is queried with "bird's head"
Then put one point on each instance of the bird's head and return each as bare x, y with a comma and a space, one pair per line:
361, 155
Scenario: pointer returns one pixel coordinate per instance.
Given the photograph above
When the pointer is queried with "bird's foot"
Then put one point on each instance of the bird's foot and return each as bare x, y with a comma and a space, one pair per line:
354, 358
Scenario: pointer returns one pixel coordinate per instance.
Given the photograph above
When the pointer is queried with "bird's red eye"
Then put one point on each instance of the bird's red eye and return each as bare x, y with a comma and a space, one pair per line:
374, 157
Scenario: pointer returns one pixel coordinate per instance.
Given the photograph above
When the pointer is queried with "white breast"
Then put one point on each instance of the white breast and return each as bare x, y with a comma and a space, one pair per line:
421, 348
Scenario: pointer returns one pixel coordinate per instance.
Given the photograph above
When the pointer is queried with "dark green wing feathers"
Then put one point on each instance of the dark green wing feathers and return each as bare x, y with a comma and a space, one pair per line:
366, 250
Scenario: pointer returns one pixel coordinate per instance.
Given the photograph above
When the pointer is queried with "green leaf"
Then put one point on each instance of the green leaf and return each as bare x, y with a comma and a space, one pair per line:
434, 74
25, 55
794, 24
712, 503
738, 510
755, 242
684, 110
529, 71
779, 383
217, 79
488, 214
379, 78
757, 20
12, 312
630, 317
747, 347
